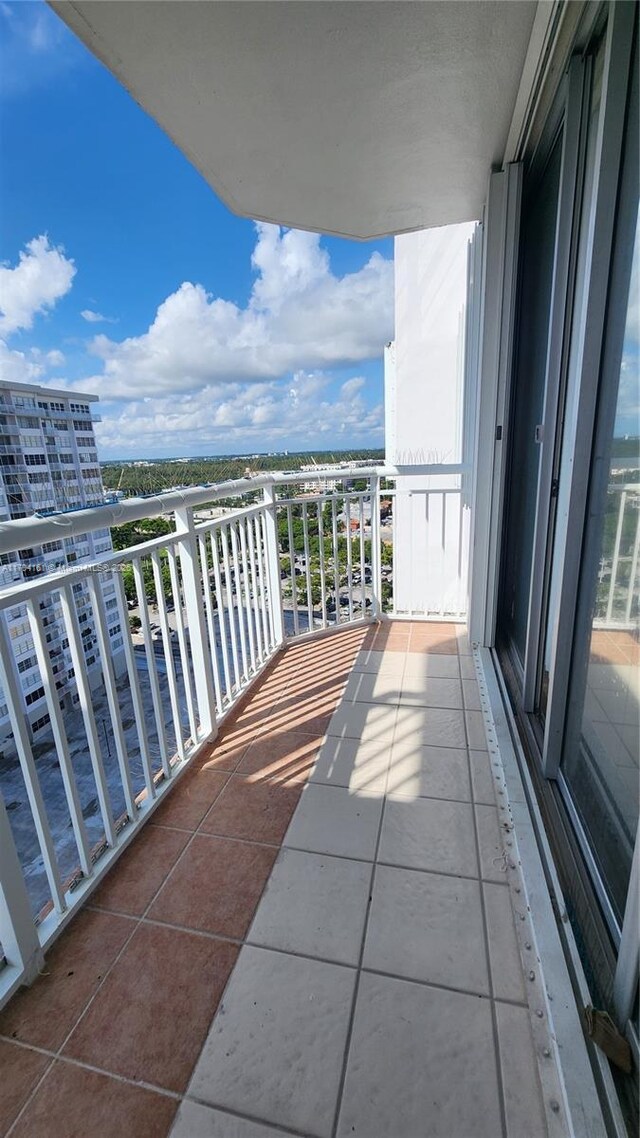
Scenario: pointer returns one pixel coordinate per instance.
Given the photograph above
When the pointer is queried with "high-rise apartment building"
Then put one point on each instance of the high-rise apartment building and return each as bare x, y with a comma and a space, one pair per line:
48, 464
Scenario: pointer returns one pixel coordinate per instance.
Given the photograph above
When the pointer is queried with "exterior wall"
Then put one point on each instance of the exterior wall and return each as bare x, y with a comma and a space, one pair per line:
424, 418
48, 463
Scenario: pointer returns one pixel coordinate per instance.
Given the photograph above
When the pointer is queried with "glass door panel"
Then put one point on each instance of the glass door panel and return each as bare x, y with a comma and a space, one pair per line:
600, 763
536, 275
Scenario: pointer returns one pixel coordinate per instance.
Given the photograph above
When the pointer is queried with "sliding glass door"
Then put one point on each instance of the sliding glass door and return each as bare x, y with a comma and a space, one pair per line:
599, 770
568, 624
537, 256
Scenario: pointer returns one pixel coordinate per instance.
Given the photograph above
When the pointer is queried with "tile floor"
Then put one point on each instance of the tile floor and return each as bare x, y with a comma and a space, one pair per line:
313, 937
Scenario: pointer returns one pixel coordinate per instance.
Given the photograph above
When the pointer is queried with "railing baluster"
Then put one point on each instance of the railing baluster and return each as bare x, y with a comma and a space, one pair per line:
86, 706
222, 624
60, 739
294, 582
203, 544
238, 581
307, 565
336, 557
254, 556
272, 565
347, 504
247, 593
376, 553
200, 650
108, 675
134, 687
363, 599
182, 641
152, 667
18, 934
616, 556
266, 608
634, 569
229, 589
13, 697
323, 586
165, 630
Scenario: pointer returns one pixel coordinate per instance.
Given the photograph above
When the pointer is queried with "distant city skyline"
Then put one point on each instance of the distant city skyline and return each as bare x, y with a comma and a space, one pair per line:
123, 275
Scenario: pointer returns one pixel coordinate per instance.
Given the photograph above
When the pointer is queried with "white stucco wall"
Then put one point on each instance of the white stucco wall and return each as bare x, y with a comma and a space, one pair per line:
424, 414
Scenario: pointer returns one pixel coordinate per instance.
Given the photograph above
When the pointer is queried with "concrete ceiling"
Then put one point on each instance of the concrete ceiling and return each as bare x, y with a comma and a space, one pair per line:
360, 118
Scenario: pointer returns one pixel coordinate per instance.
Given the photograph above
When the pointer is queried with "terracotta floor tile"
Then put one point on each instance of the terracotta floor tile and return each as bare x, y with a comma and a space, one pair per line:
189, 801
21, 1070
223, 754
253, 717
74, 1103
250, 808
438, 642
309, 721
45, 1013
312, 695
281, 756
139, 873
150, 1018
216, 886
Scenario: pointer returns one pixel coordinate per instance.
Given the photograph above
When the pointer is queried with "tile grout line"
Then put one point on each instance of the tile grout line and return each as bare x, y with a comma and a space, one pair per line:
350, 1025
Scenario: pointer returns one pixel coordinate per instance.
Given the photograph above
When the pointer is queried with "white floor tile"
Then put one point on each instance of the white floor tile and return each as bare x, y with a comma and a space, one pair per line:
421, 1062
504, 955
365, 721
350, 763
522, 1093
429, 833
476, 733
482, 780
374, 662
471, 693
467, 668
276, 1046
428, 772
365, 687
333, 820
431, 691
438, 665
314, 904
431, 726
492, 850
426, 927
196, 1121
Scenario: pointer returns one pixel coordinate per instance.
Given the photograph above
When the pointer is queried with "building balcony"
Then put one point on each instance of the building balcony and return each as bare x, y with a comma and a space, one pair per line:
273, 856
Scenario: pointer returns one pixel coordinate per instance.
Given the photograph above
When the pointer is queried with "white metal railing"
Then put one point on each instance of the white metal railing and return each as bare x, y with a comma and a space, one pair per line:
618, 595
215, 600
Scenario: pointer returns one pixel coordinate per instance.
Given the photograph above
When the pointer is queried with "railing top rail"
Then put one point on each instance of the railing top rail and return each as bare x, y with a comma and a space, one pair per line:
22, 532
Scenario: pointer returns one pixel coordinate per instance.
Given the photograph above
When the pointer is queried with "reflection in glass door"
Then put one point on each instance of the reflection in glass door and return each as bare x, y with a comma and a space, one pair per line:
600, 764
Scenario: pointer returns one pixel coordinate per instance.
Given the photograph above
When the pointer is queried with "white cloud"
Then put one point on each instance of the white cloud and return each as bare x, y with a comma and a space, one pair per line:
42, 276
299, 316
245, 416
96, 317
55, 358
18, 367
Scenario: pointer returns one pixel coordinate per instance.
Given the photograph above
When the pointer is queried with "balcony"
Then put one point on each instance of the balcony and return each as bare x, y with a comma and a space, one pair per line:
323, 927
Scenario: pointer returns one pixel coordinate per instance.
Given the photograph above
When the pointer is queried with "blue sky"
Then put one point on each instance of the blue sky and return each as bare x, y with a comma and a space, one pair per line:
202, 333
